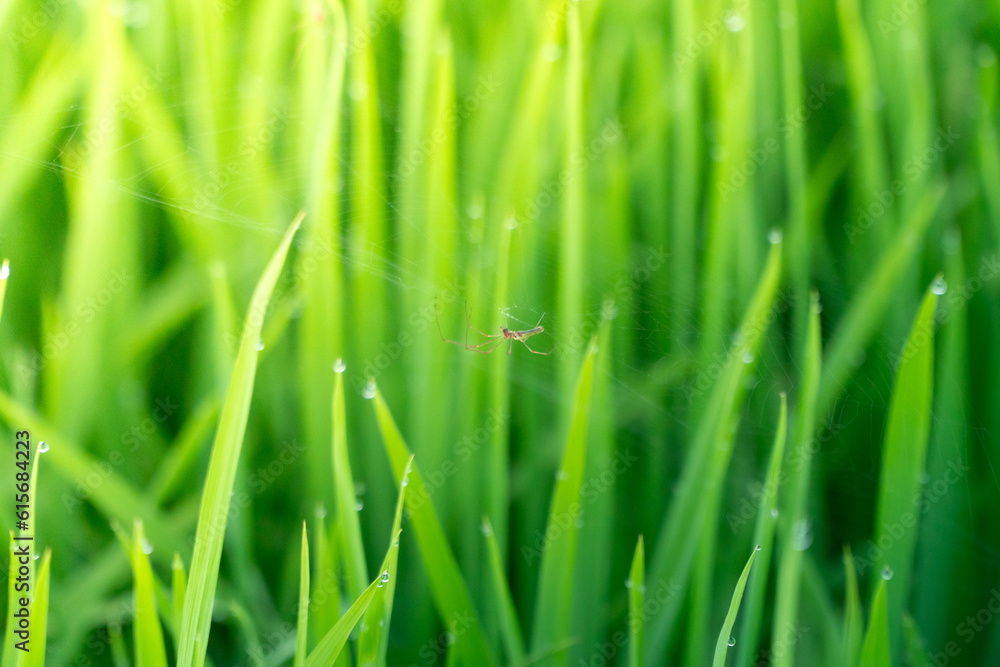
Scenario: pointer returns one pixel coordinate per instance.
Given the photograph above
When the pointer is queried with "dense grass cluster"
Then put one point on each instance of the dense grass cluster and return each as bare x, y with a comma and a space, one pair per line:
762, 421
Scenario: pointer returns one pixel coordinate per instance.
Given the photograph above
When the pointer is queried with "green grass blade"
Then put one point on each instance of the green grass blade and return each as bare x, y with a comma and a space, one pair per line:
449, 590
329, 648
200, 597
853, 620
178, 579
764, 536
4, 275
150, 651
373, 643
555, 584
348, 525
708, 460
903, 461
302, 629
636, 604
9, 652
872, 300
39, 615
875, 649
510, 629
723, 643
795, 510
371, 604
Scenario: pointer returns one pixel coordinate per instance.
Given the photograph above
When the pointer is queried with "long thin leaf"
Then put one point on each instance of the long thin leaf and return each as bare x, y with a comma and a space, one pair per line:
348, 525
204, 577
150, 651
450, 593
725, 637
558, 558
636, 604
875, 649
510, 630
302, 629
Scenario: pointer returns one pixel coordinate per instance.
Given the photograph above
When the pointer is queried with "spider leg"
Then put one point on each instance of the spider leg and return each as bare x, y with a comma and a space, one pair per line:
466, 345
534, 351
496, 344
468, 325
538, 322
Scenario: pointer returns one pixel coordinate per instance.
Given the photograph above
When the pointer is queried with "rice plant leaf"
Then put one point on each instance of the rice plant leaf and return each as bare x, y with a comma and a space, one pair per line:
348, 524
4, 275
636, 604
448, 587
858, 324
904, 457
764, 536
558, 557
179, 586
795, 510
853, 621
373, 642
373, 598
150, 651
875, 649
35, 657
200, 596
9, 652
705, 468
510, 629
722, 644
302, 630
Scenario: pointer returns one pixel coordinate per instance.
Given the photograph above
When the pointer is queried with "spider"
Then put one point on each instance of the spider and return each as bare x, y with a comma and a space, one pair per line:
495, 339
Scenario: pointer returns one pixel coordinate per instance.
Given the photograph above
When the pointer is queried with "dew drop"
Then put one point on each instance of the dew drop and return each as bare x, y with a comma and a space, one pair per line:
628, 583
474, 210
561, 474
369, 390
939, 286
358, 506
5, 271
43, 447
887, 573
757, 548
802, 537
486, 528
321, 511
35, 557
147, 547
732, 641
339, 366
774, 513
735, 22
774, 236
551, 52
510, 223
385, 576
747, 357
406, 480
260, 345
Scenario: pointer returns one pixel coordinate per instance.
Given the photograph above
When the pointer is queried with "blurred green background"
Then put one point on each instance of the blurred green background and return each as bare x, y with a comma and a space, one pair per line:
618, 170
